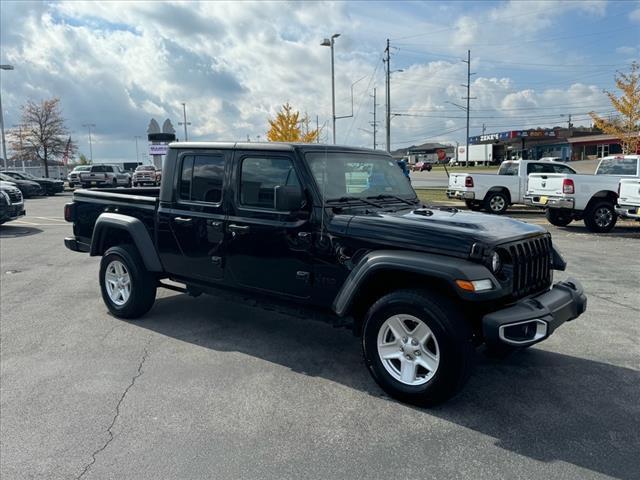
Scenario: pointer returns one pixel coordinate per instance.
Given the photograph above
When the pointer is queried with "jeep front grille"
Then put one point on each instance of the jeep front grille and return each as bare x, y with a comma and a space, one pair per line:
530, 262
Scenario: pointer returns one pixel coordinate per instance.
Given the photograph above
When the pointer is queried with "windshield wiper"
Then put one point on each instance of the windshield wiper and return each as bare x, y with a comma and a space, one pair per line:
353, 199
395, 197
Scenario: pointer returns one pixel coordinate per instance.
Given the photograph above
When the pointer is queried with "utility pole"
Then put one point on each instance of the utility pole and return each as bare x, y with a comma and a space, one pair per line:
388, 95
4, 141
374, 124
468, 98
570, 125
185, 123
90, 126
137, 156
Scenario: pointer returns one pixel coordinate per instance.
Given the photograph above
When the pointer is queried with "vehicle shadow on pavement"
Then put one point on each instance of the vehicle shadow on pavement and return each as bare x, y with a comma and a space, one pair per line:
14, 231
546, 406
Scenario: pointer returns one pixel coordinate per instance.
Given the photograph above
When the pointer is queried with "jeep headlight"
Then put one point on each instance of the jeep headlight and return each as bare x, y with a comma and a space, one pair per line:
496, 263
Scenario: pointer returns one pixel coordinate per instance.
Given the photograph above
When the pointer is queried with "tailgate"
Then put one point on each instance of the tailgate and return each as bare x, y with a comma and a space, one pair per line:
456, 181
629, 192
92, 177
545, 183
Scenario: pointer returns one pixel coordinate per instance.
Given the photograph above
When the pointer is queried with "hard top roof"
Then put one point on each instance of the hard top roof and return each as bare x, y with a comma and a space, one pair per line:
273, 146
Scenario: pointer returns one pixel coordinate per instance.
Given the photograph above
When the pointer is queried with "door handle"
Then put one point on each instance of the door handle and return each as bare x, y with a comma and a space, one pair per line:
182, 220
238, 228
306, 236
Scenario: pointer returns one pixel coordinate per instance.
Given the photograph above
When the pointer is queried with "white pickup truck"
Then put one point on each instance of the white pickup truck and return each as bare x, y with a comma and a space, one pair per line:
495, 193
591, 198
104, 176
629, 198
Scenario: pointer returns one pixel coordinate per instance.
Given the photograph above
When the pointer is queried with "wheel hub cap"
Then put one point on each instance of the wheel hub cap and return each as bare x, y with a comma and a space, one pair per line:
408, 349
118, 282
603, 217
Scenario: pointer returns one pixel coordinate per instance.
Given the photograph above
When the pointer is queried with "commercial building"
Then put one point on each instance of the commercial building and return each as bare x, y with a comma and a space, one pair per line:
426, 152
576, 143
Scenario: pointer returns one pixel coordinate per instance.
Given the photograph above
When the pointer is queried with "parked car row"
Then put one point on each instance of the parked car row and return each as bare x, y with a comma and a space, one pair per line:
592, 198
496, 193
32, 186
598, 199
86, 176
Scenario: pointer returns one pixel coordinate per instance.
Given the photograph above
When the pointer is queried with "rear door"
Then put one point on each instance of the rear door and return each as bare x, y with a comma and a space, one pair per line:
268, 250
191, 229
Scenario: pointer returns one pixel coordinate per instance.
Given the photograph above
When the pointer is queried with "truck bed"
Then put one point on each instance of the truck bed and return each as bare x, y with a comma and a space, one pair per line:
140, 203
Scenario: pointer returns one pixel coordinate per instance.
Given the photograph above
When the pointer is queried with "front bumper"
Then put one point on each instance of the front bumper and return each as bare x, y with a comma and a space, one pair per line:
11, 212
542, 201
628, 211
461, 195
532, 320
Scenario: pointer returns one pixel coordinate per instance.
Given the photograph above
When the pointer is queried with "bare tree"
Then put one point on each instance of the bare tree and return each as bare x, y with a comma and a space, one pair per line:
45, 136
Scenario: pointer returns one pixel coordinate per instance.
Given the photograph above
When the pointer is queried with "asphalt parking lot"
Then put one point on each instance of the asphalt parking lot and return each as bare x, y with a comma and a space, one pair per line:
201, 388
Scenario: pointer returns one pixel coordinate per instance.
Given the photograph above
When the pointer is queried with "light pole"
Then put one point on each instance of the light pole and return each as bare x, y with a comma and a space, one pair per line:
89, 126
4, 142
185, 123
137, 156
329, 42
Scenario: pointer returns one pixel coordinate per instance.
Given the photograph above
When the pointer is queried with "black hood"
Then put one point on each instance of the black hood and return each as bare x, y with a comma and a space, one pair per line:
438, 229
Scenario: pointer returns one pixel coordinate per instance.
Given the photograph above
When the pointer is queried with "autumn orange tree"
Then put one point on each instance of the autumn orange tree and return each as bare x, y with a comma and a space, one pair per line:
627, 124
289, 127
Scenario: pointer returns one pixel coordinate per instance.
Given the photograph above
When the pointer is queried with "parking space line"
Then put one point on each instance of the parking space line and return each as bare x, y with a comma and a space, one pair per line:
52, 219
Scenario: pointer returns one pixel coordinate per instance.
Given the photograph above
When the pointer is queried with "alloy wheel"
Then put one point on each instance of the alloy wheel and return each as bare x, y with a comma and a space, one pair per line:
603, 217
408, 349
118, 282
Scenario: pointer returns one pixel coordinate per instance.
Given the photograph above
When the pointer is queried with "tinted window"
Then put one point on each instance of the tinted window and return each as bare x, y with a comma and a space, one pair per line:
540, 168
618, 166
98, 169
562, 169
260, 176
185, 178
201, 178
208, 175
509, 168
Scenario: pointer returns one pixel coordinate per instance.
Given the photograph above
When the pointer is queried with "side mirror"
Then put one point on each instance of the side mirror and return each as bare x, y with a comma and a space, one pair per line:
288, 198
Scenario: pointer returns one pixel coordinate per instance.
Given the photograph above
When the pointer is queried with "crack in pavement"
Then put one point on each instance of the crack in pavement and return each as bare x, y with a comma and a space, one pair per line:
115, 417
614, 302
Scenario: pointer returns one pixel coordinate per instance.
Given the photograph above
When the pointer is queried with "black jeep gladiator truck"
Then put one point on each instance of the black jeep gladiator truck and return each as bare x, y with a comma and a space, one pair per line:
334, 233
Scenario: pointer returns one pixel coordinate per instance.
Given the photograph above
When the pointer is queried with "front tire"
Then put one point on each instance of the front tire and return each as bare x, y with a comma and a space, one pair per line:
128, 288
600, 217
496, 203
417, 346
559, 218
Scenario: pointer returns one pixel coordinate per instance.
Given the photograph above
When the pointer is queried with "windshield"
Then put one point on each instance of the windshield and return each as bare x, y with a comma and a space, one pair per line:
359, 175
145, 168
6, 178
618, 166
84, 168
509, 168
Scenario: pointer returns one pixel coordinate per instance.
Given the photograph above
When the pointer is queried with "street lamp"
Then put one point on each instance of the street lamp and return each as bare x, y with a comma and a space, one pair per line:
185, 123
4, 142
89, 126
137, 157
328, 42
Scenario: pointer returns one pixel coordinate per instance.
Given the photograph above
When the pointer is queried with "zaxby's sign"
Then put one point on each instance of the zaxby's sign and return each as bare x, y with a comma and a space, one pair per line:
501, 136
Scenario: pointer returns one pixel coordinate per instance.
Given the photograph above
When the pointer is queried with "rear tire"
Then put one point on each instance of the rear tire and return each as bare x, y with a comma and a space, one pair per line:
496, 203
559, 218
473, 205
128, 288
429, 324
600, 217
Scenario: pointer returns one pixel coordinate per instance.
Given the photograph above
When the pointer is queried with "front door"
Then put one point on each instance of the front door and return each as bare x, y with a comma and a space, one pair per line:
193, 226
267, 249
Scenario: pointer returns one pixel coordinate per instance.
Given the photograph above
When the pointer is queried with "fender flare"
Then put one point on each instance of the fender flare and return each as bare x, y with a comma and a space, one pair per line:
448, 269
137, 231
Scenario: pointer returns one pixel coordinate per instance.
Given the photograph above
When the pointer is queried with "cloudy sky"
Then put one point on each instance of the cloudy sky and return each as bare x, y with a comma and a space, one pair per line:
119, 64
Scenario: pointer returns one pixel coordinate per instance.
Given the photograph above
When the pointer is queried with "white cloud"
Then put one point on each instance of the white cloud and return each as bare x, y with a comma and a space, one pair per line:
118, 64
